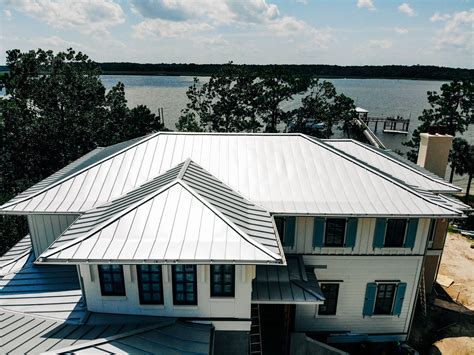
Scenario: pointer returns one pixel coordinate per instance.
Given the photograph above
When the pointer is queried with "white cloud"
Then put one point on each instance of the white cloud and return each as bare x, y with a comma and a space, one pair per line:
87, 16
406, 9
439, 17
159, 28
223, 11
7, 13
369, 4
295, 29
457, 30
380, 44
400, 31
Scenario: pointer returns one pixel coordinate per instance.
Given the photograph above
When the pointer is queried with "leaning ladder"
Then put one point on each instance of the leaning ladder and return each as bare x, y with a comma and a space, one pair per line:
255, 331
423, 292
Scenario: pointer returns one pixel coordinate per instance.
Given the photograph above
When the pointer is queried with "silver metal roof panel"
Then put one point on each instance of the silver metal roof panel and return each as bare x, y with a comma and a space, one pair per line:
185, 215
283, 173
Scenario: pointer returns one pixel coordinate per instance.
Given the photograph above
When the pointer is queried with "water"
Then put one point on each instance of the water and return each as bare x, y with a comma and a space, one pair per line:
381, 97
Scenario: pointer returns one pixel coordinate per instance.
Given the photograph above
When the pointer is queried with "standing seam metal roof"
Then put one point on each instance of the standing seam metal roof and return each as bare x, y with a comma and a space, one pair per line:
284, 173
204, 220
394, 165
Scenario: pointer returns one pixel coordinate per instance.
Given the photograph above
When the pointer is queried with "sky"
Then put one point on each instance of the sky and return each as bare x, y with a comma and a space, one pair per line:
342, 32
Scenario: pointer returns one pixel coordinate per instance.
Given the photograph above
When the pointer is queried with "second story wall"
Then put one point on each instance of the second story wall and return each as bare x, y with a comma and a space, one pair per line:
45, 228
364, 231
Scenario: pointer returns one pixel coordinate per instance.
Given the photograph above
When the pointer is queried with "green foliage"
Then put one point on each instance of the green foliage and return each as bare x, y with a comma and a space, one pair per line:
223, 104
57, 109
452, 108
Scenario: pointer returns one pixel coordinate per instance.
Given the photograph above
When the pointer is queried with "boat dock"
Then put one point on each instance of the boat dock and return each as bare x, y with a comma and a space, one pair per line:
398, 125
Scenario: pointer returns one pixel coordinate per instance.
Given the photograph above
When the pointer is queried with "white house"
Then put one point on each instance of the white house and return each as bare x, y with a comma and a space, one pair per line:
326, 237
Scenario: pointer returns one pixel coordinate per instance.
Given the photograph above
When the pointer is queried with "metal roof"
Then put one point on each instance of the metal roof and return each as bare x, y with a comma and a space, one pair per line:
26, 334
394, 165
290, 284
283, 173
184, 215
16, 256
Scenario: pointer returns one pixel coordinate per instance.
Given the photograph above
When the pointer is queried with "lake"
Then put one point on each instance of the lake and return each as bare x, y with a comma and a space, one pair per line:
381, 97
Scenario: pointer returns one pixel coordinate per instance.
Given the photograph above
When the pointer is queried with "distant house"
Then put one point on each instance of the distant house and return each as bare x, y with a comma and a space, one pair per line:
247, 233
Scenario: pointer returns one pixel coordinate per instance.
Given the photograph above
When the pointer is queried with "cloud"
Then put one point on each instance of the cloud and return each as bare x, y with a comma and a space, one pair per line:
368, 4
400, 31
406, 9
86, 16
380, 44
457, 30
439, 17
223, 11
159, 28
294, 29
7, 13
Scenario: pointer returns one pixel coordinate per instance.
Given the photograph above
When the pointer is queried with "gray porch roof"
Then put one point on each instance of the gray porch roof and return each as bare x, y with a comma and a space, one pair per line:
290, 284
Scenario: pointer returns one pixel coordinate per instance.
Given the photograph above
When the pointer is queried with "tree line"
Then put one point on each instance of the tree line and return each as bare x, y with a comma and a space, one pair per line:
429, 72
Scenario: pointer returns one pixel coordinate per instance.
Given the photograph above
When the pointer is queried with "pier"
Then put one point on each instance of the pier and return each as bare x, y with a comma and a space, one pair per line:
398, 125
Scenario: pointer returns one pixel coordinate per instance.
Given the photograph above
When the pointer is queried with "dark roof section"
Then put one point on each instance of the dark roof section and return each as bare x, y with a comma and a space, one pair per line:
290, 284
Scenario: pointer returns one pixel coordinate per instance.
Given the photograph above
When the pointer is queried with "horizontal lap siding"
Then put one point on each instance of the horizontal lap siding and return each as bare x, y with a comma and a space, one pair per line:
364, 240
45, 228
356, 272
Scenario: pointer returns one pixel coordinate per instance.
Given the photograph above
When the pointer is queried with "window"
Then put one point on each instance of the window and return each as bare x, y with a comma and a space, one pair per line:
150, 284
222, 281
384, 300
431, 233
286, 230
335, 232
111, 280
331, 292
395, 234
184, 285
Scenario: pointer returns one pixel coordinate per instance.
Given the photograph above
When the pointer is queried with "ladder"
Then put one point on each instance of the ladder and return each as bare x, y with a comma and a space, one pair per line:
255, 331
423, 292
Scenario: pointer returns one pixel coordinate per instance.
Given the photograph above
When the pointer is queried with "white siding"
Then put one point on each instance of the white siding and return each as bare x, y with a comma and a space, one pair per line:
45, 228
207, 307
355, 272
364, 240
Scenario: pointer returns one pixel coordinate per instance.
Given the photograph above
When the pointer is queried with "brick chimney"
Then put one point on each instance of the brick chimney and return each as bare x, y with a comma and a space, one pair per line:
434, 151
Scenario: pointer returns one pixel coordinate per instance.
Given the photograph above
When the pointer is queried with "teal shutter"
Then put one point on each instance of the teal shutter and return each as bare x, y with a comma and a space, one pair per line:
318, 232
411, 233
370, 294
351, 232
399, 297
289, 239
379, 235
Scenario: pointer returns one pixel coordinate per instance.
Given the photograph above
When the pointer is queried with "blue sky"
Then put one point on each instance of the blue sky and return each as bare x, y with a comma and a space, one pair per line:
344, 32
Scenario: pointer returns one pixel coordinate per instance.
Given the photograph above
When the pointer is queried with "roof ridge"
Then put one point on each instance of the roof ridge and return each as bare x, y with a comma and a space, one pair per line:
64, 179
399, 162
375, 171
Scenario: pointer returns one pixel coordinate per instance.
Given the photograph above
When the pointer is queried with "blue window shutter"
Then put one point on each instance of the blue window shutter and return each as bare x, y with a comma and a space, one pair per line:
289, 240
318, 232
351, 232
370, 294
399, 297
411, 233
379, 235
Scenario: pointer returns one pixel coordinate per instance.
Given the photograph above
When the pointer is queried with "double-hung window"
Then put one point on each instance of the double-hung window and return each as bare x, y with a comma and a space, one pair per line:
184, 285
111, 280
384, 299
395, 233
150, 284
222, 281
331, 293
335, 232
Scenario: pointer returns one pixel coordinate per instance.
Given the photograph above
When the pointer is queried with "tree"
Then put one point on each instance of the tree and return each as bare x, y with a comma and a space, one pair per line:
275, 87
453, 109
457, 155
226, 103
56, 110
